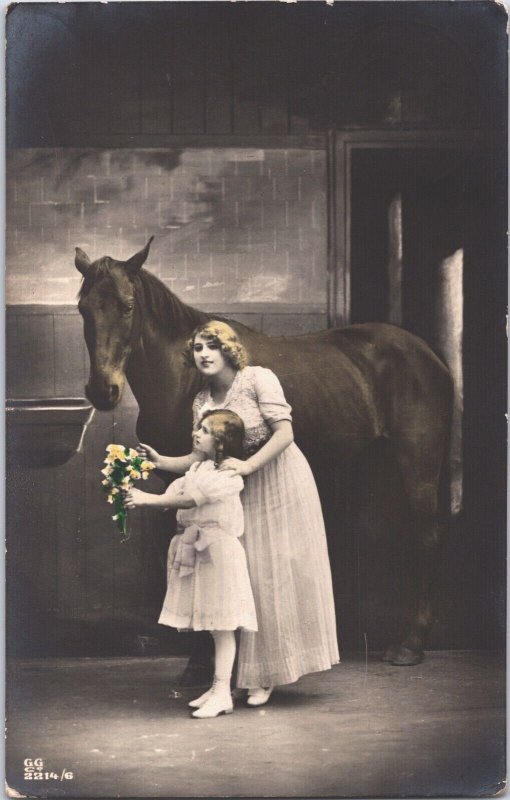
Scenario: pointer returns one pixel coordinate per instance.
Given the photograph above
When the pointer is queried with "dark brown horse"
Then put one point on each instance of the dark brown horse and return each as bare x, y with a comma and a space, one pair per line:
347, 386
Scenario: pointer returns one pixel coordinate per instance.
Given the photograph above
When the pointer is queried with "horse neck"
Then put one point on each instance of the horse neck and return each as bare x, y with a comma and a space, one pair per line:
155, 366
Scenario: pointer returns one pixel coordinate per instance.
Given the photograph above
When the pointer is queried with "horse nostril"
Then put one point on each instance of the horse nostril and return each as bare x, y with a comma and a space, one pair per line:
114, 391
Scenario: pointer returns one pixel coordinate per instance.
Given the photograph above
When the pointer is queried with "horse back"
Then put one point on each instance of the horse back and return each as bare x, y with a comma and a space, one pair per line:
350, 385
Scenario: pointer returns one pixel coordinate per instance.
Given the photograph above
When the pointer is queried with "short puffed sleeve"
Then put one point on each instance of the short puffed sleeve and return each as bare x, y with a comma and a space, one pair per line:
177, 486
271, 400
208, 486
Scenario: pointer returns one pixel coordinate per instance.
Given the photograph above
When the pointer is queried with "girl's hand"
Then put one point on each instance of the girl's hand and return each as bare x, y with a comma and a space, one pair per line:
236, 466
133, 498
148, 452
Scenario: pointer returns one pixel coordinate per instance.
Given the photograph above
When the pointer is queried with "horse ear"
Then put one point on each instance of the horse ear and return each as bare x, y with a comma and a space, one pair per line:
81, 260
137, 261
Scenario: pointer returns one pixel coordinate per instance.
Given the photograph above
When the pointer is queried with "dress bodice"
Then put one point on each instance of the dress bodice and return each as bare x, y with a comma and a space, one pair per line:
216, 495
257, 397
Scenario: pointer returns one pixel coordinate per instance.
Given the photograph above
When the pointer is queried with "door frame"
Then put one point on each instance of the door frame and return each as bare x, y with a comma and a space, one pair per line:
341, 144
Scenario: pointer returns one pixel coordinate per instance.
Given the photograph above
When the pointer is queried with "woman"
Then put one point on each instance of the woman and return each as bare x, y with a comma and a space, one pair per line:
284, 537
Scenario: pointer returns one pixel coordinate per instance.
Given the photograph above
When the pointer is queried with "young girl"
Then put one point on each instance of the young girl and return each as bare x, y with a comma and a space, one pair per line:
208, 583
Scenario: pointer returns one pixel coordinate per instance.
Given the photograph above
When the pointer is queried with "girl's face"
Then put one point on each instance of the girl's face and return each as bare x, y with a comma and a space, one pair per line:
203, 440
209, 359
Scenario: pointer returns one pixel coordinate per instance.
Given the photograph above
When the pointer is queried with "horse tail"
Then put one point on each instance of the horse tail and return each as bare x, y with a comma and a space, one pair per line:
452, 477
439, 377
453, 469
455, 456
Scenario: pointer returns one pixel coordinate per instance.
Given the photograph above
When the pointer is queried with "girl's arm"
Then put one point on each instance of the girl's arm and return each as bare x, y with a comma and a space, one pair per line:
135, 498
176, 464
283, 435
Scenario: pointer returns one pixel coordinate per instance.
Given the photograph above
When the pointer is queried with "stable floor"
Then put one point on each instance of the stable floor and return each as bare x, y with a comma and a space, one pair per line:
121, 727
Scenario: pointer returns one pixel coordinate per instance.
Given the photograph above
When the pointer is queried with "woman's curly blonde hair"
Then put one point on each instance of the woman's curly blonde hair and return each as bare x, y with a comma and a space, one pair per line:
214, 330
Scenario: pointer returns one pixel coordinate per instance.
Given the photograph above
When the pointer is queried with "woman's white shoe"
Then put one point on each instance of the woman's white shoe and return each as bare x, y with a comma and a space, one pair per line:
259, 696
198, 702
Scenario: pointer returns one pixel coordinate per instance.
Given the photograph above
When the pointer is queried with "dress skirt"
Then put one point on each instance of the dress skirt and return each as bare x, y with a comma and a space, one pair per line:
285, 543
216, 595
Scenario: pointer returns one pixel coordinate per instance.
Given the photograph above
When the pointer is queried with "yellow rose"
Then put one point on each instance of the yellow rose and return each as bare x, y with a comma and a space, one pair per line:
116, 451
110, 498
135, 475
106, 471
147, 466
145, 475
132, 453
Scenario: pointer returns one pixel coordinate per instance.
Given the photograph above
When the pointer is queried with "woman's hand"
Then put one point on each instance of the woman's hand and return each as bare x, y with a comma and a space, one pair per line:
236, 466
133, 498
148, 452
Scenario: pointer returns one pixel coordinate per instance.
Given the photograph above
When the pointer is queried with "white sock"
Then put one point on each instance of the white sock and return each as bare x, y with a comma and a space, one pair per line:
224, 655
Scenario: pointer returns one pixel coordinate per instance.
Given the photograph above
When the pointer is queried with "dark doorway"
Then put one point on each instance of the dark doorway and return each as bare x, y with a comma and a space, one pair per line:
425, 243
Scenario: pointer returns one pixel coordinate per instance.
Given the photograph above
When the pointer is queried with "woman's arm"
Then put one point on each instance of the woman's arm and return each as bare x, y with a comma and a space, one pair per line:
135, 498
283, 435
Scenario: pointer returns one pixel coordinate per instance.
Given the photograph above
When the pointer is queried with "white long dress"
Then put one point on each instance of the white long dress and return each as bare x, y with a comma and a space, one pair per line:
285, 543
208, 586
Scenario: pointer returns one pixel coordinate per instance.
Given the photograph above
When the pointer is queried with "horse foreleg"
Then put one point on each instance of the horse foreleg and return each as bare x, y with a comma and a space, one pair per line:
199, 670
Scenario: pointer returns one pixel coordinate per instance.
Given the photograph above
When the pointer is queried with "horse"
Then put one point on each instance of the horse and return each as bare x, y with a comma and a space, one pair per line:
347, 386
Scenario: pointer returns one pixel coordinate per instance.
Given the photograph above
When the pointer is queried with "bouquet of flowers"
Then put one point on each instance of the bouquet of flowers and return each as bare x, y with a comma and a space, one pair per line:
123, 466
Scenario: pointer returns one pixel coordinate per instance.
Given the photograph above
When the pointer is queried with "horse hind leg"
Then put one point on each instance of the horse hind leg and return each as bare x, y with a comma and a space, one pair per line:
420, 564
420, 536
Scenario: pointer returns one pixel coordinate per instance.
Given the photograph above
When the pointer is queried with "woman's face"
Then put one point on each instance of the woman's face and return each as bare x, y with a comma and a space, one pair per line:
209, 359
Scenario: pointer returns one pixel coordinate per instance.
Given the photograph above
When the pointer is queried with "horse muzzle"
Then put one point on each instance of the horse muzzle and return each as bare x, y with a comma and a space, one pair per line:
105, 392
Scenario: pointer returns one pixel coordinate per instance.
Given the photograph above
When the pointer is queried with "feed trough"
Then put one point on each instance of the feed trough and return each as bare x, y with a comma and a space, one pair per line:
46, 432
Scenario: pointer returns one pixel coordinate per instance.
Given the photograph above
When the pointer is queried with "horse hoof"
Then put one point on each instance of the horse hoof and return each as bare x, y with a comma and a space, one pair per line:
389, 654
196, 675
405, 657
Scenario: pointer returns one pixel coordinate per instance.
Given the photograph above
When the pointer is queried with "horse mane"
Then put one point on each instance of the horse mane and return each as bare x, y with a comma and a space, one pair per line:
166, 308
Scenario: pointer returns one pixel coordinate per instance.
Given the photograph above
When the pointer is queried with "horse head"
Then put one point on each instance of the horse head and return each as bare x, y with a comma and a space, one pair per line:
111, 321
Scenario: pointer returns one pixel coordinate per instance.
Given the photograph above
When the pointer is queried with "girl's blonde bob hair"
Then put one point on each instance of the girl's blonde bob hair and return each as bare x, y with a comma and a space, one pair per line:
222, 334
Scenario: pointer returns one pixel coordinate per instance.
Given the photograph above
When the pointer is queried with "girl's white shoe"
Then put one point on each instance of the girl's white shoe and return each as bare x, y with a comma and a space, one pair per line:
218, 703
259, 696
198, 702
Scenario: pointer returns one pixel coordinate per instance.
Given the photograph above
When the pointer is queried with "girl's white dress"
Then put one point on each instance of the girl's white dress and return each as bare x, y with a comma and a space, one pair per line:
208, 586
285, 544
